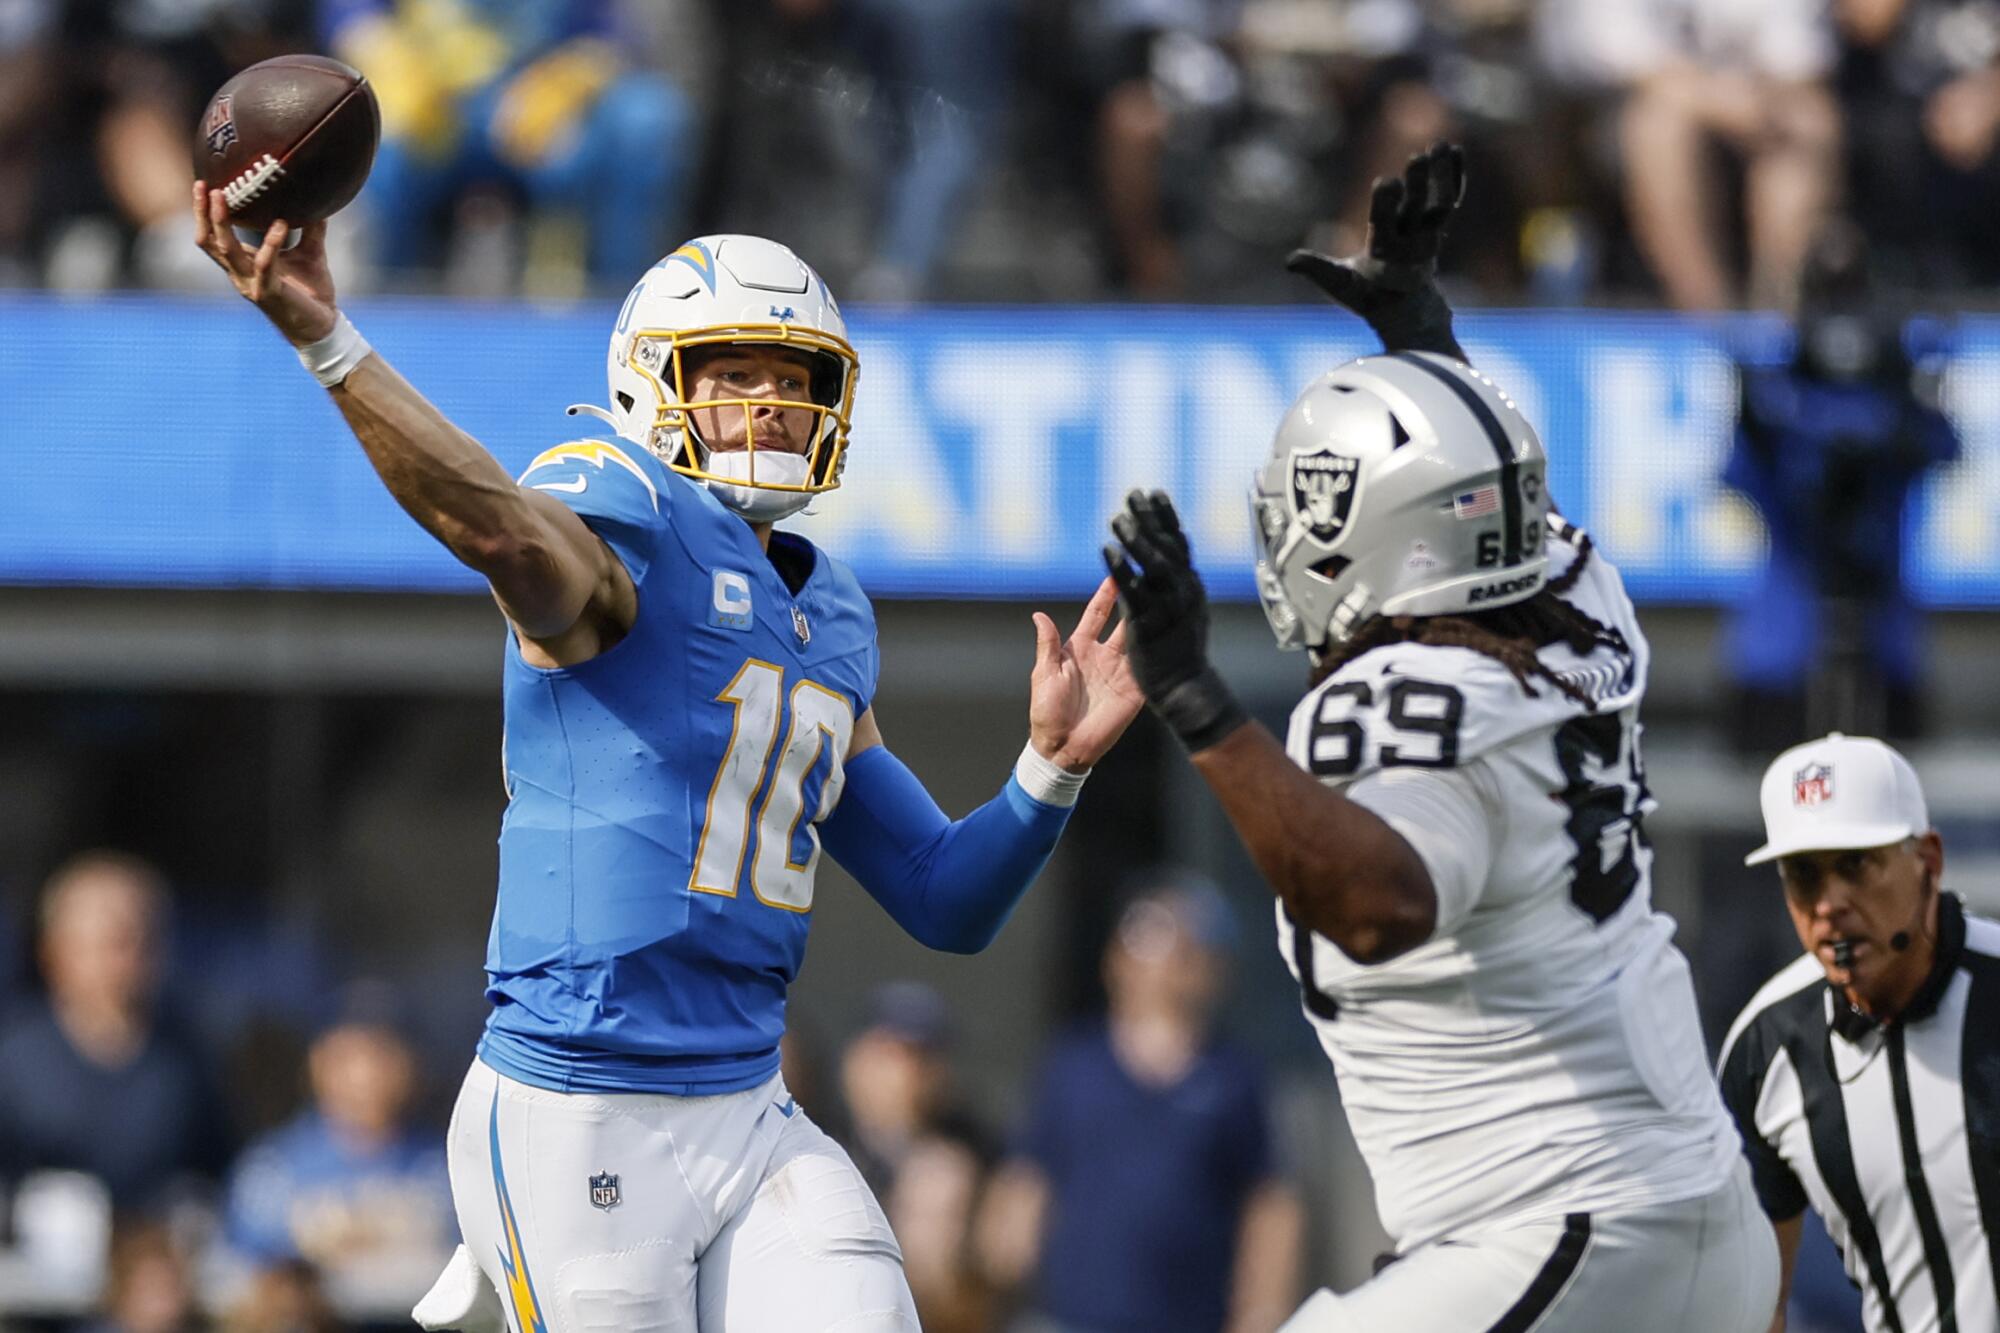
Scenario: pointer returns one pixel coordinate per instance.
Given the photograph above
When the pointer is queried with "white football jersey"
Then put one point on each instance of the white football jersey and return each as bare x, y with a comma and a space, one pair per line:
1540, 1055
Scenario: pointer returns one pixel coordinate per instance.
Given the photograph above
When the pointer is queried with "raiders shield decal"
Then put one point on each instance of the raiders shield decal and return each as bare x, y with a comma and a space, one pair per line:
1323, 491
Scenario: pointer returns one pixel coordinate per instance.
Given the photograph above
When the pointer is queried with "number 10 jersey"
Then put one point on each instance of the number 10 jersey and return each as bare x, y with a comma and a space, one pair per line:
1540, 1055
658, 852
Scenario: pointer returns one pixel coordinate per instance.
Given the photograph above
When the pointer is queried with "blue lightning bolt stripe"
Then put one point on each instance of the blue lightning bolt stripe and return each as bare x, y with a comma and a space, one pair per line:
519, 1288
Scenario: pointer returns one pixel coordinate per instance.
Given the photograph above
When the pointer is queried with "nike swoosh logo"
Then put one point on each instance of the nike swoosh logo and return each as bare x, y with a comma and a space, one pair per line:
571, 487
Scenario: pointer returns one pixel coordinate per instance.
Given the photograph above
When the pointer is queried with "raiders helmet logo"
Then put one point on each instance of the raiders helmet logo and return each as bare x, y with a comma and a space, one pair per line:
1323, 486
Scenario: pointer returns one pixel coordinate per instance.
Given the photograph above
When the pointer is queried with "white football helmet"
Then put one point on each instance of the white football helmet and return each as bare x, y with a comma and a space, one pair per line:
1398, 485
731, 289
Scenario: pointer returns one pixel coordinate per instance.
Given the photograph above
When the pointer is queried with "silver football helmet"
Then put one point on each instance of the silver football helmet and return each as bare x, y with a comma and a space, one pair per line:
1398, 485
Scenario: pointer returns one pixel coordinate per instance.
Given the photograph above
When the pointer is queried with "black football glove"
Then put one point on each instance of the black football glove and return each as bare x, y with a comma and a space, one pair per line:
1392, 283
1166, 622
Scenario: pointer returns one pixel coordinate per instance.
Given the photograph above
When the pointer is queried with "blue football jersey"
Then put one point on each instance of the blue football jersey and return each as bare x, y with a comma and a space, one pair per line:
658, 851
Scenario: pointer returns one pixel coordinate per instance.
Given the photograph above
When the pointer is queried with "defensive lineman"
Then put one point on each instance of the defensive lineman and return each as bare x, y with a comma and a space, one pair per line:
1453, 832
689, 715
1866, 1075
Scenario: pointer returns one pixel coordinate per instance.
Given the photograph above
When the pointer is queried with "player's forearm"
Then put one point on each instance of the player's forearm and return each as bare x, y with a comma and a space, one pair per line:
950, 883
1338, 868
1265, 1288
1418, 321
1789, 1233
440, 475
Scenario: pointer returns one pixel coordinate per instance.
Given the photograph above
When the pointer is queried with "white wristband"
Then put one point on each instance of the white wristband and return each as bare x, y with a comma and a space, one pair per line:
1043, 780
334, 357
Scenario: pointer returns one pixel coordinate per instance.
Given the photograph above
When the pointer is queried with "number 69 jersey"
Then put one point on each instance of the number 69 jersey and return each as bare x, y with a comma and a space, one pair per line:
1540, 1055
658, 851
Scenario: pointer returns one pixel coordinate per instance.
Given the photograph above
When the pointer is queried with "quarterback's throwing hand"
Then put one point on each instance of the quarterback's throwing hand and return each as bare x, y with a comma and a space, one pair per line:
1392, 282
1082, 695
294, 288
1166, 615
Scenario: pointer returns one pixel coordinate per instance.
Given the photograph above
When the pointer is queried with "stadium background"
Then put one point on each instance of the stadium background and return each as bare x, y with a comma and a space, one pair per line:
224, 649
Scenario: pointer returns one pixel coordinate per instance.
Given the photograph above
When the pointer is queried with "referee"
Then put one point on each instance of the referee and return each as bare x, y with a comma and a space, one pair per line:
1865, 1077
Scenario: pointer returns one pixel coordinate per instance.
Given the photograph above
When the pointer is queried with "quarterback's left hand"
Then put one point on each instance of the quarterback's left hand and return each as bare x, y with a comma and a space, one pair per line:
1081, 695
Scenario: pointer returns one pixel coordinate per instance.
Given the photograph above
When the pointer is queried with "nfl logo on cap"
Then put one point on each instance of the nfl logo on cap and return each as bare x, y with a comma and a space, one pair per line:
1878, 801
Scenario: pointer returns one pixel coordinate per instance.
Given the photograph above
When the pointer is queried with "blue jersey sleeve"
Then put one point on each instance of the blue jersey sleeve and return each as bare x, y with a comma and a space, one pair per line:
950, 883
620, 491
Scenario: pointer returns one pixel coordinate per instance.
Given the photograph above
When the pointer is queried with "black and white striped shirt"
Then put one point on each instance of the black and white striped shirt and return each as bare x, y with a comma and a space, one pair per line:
1891, 1132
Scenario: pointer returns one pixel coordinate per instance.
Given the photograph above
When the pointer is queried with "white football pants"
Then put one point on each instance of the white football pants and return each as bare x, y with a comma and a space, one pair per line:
1706, 1265
639, 1213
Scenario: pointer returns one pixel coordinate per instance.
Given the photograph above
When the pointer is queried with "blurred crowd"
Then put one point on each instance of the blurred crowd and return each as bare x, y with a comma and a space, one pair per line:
1678, 151
138, 1173
143, 1189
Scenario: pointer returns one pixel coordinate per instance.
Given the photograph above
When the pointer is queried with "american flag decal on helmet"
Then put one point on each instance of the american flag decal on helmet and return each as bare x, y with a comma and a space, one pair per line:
1476, 503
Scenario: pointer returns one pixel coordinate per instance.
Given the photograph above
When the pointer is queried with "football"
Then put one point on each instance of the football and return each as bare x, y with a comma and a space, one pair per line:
291, 137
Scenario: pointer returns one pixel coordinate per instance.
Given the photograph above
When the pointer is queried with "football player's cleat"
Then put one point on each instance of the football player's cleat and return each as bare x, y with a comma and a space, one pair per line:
719, 290
1398, 485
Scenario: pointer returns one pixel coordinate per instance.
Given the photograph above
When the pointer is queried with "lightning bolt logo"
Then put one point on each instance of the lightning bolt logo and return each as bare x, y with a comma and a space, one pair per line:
518, 1288
696, 256
597, 453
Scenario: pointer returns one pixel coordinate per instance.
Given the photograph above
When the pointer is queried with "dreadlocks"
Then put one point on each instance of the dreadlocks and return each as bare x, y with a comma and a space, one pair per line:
1511, 635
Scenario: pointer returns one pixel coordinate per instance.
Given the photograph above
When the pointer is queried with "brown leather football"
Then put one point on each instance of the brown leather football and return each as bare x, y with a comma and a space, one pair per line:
291, 137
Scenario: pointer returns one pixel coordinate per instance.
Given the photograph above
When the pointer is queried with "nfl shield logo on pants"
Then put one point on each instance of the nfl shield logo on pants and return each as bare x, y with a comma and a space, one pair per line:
604, 1190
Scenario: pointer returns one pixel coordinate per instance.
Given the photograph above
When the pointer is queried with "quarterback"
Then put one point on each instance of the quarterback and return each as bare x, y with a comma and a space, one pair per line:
1453, 831
689, 721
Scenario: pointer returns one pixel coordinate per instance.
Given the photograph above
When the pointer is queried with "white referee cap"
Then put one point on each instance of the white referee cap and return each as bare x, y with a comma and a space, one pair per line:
1837, 793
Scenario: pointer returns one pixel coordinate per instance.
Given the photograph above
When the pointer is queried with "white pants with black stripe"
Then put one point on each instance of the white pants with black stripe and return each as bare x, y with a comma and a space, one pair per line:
729, 1213
1706, 1265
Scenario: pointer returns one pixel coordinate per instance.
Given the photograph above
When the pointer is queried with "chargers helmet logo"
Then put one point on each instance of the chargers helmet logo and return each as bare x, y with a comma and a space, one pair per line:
218, 128
1323, 484
1813, 785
